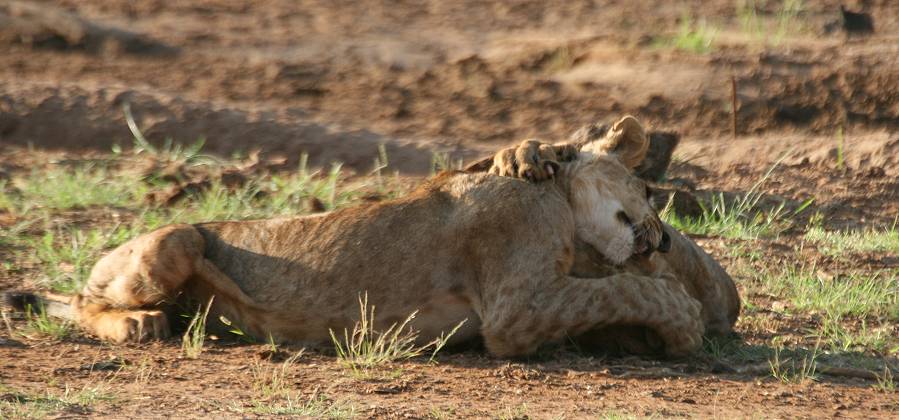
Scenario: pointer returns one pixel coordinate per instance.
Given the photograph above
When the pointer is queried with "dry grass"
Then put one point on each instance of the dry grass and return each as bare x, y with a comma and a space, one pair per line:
193, 339
365, 348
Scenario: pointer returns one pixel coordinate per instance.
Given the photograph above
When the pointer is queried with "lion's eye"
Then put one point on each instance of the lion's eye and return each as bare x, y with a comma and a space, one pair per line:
622, 216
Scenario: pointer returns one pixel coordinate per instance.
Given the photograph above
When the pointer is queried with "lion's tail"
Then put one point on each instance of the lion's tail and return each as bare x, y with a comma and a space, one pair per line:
53, 305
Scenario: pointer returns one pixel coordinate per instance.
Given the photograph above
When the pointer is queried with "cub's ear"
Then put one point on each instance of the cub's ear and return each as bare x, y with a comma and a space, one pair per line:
626, 139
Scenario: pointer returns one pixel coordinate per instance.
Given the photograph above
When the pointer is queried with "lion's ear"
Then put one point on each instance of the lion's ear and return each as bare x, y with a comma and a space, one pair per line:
626, 139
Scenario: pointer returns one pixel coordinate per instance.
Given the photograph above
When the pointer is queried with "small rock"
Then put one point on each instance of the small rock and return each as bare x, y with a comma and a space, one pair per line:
856, 22
233, 179
165, 197
778, 306
658, 157
683, 202
314, 205
114, 363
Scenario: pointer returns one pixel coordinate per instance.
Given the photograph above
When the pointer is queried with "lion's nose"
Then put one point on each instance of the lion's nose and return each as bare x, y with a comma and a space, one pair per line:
665, 243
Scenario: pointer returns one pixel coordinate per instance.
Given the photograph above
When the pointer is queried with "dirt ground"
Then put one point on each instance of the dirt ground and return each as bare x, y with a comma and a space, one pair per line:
336, 79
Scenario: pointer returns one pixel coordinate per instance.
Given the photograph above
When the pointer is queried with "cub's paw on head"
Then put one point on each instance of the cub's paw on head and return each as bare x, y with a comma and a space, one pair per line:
532, 160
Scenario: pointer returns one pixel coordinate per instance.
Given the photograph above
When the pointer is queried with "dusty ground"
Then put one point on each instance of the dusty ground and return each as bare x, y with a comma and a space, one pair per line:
336, 79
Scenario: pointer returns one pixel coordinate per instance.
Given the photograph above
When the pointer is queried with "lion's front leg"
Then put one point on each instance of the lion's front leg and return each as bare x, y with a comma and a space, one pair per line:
577, 305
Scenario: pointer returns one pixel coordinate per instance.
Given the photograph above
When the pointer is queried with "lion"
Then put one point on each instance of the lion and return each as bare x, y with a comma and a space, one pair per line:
496, 251
702, 276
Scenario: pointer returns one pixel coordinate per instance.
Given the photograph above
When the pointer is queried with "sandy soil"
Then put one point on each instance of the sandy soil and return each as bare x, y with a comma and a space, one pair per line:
337, 79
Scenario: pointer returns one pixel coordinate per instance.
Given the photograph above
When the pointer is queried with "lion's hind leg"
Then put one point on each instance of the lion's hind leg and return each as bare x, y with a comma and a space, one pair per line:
128, 288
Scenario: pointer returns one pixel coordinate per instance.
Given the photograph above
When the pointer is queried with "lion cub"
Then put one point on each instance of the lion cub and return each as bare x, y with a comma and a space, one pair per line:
496, 251
682, 260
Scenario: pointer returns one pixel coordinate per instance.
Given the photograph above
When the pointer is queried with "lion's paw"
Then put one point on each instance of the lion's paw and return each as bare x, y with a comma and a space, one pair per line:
536, 162
134, 327
532, 160
684, 338
684, 327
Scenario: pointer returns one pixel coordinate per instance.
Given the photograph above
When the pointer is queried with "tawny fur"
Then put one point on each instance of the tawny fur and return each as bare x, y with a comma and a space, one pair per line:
495, 251
686, 264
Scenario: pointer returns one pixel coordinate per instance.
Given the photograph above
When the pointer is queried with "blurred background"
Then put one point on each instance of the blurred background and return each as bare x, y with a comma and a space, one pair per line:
338, 78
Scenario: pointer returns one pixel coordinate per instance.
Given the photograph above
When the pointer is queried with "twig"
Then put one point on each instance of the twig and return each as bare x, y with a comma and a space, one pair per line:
135, 130
848, 372
7, 323
733, 111
764, 369
661, 372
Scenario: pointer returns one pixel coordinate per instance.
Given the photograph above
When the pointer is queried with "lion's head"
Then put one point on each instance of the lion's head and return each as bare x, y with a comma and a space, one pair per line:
611, 205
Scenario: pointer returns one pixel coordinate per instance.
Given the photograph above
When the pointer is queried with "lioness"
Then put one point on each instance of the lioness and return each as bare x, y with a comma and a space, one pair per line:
702, 276
496, 251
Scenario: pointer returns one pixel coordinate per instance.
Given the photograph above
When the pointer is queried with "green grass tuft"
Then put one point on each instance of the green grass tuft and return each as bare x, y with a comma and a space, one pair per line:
785, 23
836, 296
317, 406
170, 152
68, 256
7, 200
272, 383
885, 381
798, 368
740, 218
842, 243
787, 20
366, 348
20, 405
868, 336
38, 323
193, 339
841, 144
617, 415
273, 396
693, 37
79, 187
442, 161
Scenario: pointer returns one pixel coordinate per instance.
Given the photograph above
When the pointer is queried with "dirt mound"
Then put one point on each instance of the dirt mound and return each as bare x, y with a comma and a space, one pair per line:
876, 151
72, 117
535, 69
45, 26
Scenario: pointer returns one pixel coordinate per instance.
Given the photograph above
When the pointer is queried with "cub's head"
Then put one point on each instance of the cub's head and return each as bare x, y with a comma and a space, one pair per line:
611, 205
